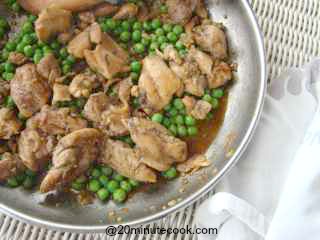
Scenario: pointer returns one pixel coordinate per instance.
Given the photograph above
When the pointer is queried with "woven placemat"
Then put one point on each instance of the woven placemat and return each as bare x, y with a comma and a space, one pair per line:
291, 31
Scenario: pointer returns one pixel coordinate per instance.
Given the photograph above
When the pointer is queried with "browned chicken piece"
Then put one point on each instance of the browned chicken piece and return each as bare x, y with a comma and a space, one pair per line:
112, 46
201, 109
126, 161
95, 33
201, 9
65, 37
49, 68
112, 120
9, 123
221, 74
10, 165
56, 121
124, 91
4, 90
35, 148
87, 17
171, 54
128, 10
211, 39
72, 157
60, 93
52, 21
193, 164
157, 83
95, 106
159, 149
105, 9
17, 58
189, 103
82, 85
196, 85
29, 90
79, 44
36, 6
204, 61
180, 11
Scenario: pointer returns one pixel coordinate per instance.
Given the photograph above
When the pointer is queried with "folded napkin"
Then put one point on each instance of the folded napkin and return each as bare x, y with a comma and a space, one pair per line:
274, 191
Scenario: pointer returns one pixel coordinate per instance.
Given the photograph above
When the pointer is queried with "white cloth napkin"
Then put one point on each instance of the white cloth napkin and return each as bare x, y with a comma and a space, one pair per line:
274, 191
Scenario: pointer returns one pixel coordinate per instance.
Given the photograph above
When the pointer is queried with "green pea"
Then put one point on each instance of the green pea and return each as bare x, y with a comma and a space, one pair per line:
136, 102
178, 29
179, 45
166, 122
159, 32
11, 46
66, 68
37, 57
21, 117
118, 177
167, 27
104, 27
2, 67
125, 25
2, 32
20, 47
77, 186
173, 129
21, 177
182, 131
136, 66
125, 185
32, 18
207, 98
16, 7
103, 179
173, 112
136, 36
7, 76
9, 67
183, 111
95, 172
125, 36
163, 46
179, 120
111, 24
157, 117
183, 52
209, 116
81, 179
27, 27
172, 37
145, 41
12, 182
134, 183
215, 103
161, 40
94, 185
189, 121
71, 60
117, 31
217, 93
63, 53
112, 186
28, 183
55, 45
107, 171
129, 141
134, 77
3, 23
168, 107
154, 46
46, 50
178, 104
30, 173
103, 194
139, 48
27, 39
28, 51
170, 174
147, 26
119, 195
137, 26
192, 131
163, 8
156, 23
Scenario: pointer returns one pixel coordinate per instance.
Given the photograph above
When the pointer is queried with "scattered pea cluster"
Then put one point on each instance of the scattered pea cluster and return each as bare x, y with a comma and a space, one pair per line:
144, 37
104, 182
27, 179
213, 98
13, 5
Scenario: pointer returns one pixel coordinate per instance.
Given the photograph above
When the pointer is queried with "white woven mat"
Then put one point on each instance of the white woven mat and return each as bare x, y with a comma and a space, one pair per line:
292, 37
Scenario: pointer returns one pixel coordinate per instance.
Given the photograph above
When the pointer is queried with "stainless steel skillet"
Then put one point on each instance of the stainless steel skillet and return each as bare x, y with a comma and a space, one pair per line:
242, 115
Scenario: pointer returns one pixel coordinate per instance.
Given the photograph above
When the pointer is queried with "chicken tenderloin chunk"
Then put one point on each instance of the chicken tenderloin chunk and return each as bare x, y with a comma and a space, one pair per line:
10, 165
9, 123
72, 157
49, 68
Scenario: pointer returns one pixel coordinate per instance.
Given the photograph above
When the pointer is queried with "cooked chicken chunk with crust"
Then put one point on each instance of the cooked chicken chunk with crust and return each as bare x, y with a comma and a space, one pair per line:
128, 10
52, 21
157, 83
29, 90
189, 103
126, 161
72, 157
95, 106
158, 147
201, 110
10, 165
211, 39
221, 74
49, 68
4, 90
17, 58
35, 148
9, 123
56, 121
180, 11
105, 9
193, 164
60, 93
204, 61
79, 44
82, 85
